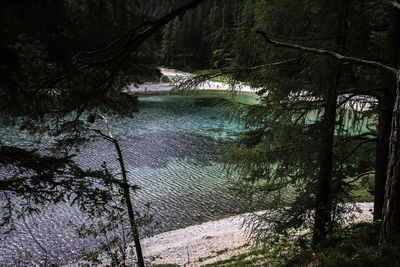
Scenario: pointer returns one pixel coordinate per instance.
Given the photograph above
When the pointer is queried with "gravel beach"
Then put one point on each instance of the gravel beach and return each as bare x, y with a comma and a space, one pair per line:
208, 242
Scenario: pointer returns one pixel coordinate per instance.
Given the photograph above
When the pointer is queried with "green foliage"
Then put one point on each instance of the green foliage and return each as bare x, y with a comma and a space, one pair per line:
113, 247
357, 245
54, 60
353, 245
200, 39
47, 67
61, 59
276, 162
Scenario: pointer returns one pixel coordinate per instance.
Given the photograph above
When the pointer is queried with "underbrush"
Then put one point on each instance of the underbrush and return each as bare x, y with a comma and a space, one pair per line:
355, 245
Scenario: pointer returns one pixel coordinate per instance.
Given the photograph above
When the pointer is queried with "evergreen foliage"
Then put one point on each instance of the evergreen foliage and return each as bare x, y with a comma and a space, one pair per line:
307, 142
62, 62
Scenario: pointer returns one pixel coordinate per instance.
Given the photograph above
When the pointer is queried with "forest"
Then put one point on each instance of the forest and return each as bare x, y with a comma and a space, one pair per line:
319, 136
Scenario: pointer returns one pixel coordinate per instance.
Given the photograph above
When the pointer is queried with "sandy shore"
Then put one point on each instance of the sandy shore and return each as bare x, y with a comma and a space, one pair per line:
209, 242
359, 103
206, 243
176, 75
352, 102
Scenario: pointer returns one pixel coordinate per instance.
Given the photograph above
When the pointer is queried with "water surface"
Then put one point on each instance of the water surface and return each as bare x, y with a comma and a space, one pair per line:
171, 149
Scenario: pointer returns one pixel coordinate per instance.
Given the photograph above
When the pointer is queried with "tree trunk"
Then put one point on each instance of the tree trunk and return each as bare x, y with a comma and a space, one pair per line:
391, 208
386, 101
131, 214
324, 205
324, 200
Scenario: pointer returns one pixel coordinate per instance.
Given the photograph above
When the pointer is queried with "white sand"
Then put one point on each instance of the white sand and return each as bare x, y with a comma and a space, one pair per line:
176, 75
206, 243
209, 242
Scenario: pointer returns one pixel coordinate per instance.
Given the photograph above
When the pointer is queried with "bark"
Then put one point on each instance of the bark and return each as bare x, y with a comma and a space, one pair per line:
129, 207
127, 196
382, 151
391, 209
324, 205
386, 101
324, 201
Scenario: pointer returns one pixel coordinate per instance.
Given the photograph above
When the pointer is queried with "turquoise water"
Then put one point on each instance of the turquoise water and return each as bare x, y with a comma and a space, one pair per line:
171, 149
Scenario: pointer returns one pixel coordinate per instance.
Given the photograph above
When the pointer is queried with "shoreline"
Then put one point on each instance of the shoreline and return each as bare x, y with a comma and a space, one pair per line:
358, 103
176, 75
211, 241
208, 242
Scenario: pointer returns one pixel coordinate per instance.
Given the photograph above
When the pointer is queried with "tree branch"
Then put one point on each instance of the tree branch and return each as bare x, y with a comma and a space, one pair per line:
363, 136
107, 126
359, 177
346, 157
198, 79
391, 3
136, 37
340, 57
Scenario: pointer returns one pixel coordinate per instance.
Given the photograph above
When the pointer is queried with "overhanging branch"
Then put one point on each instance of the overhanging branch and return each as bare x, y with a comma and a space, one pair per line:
340, 57
198, 79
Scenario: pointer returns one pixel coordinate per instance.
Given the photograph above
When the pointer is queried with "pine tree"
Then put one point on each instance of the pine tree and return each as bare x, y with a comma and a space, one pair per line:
314, 175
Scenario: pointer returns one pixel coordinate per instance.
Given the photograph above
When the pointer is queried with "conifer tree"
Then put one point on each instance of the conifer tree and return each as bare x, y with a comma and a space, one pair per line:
47, 84
280, 126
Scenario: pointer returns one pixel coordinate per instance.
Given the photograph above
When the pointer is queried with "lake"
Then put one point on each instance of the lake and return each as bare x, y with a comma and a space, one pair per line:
172, 151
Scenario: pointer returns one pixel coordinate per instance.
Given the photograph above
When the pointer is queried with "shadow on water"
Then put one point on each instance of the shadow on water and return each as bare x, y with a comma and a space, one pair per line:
171, 149
153, 149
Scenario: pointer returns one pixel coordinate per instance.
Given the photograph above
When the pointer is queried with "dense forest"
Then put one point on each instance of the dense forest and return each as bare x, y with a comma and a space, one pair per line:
202, 38
326, 126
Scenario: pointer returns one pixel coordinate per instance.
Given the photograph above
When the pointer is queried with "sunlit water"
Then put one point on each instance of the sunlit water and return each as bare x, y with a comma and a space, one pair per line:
171, 149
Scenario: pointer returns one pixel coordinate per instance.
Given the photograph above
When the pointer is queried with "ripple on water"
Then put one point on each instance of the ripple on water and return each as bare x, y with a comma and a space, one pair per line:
171, 150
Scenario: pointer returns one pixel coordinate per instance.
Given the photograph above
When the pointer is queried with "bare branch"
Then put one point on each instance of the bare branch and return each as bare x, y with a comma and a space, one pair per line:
357, 98
356, 148
360, 176
363, 136
106, 137
198, 79
107, 126
346, 98
370, 63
